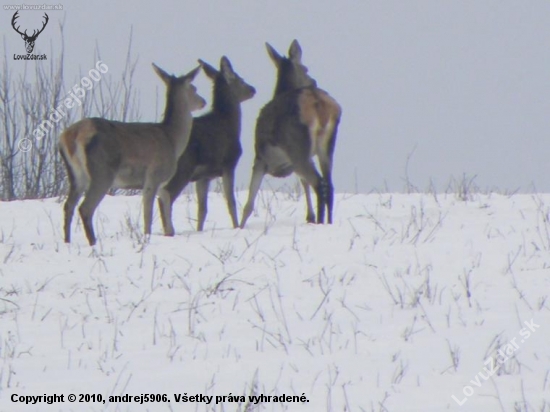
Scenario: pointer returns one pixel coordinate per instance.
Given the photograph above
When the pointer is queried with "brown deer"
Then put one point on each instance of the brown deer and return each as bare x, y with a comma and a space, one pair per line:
102, 154
301, 121
214, 147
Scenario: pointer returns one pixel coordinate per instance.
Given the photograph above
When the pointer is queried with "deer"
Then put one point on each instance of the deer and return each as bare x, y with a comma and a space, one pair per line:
102, 154
214, 147
29, 40
300, 122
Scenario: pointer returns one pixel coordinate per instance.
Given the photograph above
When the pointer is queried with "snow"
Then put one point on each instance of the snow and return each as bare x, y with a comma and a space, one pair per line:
397, 306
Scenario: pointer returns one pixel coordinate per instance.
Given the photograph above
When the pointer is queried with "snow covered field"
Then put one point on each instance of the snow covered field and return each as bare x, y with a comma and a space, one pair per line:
406, 303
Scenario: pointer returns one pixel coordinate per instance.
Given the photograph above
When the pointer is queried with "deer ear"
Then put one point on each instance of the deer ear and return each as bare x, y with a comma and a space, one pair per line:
295, 52
162, 74
210, 71
192, 74
275, 57
226, 68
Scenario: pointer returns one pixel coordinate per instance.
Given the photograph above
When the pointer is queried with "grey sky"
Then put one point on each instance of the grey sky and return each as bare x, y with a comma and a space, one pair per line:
466, 83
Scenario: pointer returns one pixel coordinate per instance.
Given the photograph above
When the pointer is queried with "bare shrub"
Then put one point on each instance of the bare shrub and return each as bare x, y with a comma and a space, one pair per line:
32, 167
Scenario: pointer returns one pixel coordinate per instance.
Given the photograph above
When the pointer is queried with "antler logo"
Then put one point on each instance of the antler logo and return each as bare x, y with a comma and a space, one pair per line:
29, 40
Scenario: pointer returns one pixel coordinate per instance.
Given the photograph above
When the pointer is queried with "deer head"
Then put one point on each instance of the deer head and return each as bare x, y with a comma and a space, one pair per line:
292, 73
235, 85
29, 40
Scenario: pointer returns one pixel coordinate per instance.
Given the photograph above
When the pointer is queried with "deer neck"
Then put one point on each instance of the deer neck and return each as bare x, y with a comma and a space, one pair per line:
281, 88
177, 123
228, 108
224, 102
285, 81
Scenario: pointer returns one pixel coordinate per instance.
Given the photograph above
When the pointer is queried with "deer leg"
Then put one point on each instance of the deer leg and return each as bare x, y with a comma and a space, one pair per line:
322, 190
169, 194
258, 172
325, 160
149, 193
165, 203
308, 173
94, 195
70, 204
228, 179
75, 192
202, 195
310, 216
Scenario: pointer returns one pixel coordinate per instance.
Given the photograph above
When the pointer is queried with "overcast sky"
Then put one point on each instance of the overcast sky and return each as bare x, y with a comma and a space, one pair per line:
460, 86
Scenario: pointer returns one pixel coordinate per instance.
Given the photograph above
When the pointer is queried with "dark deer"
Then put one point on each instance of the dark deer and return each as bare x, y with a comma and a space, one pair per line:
301, 121
214, 147
102, 154
29, 40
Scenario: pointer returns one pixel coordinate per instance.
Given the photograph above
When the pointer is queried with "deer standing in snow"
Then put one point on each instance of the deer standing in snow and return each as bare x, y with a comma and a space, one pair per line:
301, 121
102, 154
214, 147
